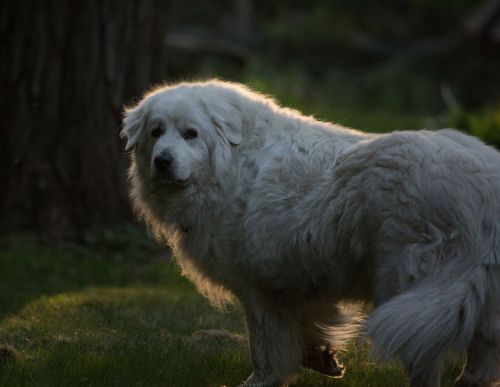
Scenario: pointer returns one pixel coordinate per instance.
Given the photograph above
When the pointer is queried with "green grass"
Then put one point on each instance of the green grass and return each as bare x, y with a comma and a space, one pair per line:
80, 318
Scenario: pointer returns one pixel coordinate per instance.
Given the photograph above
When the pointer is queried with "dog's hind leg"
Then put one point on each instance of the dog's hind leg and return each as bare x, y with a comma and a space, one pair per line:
482, 368
274, 338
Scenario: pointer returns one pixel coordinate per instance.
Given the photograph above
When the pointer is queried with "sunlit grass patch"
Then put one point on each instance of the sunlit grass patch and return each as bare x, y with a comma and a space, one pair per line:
120, 336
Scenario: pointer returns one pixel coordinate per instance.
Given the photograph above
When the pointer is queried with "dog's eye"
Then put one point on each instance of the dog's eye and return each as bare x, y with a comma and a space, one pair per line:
156, 132
189, 134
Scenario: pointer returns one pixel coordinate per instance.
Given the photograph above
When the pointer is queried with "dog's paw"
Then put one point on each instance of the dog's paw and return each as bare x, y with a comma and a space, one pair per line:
324, 361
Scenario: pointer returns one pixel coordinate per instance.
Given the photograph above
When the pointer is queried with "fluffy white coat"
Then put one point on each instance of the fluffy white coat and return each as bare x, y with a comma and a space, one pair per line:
293, 216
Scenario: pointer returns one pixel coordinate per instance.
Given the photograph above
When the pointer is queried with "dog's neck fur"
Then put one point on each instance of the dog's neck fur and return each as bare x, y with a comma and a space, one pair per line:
180, 208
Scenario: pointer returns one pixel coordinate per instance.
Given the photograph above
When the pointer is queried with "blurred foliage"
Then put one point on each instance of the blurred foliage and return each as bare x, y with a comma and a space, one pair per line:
383, 56
126, 240
376, 66
338, 101
484, 125
129, 241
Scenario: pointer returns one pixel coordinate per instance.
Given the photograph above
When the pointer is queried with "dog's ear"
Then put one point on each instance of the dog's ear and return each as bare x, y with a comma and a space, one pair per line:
132, 126
228, 121
228, 128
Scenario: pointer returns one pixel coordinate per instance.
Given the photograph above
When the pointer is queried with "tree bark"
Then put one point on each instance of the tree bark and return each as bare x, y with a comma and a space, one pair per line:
67, 68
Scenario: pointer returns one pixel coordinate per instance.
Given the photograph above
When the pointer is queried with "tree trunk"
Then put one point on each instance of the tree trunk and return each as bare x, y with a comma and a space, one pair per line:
67, 68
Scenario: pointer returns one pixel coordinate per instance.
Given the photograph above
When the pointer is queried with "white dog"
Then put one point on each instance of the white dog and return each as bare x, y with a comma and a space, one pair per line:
292, 216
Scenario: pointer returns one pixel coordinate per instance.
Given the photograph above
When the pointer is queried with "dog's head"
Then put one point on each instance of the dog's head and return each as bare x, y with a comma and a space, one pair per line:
184, 134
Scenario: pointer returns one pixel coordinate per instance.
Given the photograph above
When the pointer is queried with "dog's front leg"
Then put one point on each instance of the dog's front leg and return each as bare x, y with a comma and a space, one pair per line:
274, 343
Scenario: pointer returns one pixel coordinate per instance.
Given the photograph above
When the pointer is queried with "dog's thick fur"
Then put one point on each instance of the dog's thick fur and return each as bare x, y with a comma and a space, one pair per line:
292, 216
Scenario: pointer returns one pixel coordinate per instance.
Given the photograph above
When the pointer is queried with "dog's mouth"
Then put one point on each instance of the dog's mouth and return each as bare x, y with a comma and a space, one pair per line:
170, 180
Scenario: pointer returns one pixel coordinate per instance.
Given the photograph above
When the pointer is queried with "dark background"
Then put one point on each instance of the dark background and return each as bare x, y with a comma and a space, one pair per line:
68, 68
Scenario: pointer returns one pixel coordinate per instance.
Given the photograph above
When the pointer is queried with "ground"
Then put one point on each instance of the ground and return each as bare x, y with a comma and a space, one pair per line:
93, 316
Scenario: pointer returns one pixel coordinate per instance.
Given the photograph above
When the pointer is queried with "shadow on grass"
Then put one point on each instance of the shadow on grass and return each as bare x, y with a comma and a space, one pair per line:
28, 272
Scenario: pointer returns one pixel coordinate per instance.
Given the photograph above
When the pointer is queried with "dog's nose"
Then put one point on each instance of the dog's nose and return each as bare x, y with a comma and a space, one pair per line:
163, 162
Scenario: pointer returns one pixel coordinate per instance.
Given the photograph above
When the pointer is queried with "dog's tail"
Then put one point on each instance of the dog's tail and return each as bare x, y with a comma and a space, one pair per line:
420, 325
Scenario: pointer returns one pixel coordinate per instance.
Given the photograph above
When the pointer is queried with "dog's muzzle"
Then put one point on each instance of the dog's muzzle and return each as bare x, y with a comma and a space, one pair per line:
164, 168
164, 165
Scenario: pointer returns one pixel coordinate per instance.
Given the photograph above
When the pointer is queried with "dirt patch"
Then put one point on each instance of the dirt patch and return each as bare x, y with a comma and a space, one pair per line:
218, 335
